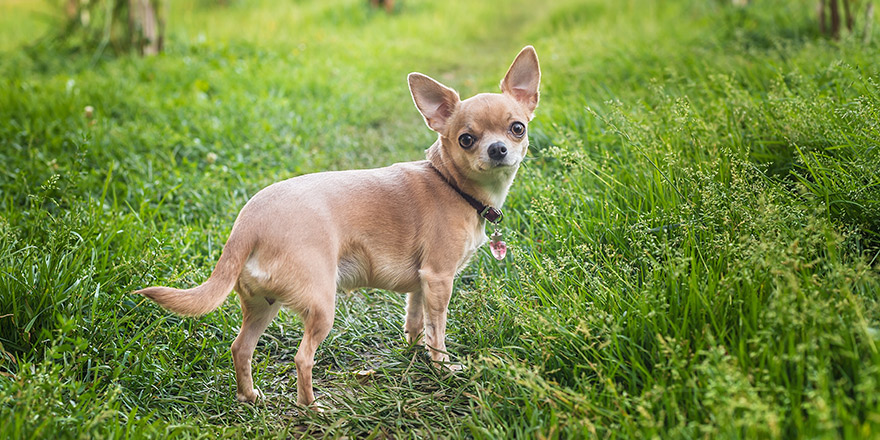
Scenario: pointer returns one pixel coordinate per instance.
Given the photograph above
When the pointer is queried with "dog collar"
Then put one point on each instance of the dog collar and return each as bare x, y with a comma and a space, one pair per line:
490, 213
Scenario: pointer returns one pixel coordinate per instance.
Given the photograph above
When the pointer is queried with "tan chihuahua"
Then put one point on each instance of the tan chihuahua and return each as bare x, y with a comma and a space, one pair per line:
409, 227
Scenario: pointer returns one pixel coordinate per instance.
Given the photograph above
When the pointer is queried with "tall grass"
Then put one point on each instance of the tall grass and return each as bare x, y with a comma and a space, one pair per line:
694, 241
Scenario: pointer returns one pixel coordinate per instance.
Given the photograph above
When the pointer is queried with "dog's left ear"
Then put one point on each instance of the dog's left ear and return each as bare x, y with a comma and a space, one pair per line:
435, 101
523, 78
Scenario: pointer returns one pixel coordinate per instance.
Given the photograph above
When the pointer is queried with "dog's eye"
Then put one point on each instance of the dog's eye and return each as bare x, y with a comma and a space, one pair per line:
466, 140
518, 129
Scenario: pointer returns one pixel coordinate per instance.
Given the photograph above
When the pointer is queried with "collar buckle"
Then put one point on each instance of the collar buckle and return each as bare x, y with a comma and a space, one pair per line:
492, 214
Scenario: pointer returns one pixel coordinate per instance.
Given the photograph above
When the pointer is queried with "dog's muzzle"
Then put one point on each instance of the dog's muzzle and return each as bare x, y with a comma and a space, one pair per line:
497, 151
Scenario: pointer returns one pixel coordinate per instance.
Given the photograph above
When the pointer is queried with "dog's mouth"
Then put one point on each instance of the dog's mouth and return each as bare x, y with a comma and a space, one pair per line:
492, 165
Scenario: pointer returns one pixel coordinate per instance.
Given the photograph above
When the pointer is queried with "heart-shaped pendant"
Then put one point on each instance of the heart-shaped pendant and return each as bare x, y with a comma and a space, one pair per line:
497, 246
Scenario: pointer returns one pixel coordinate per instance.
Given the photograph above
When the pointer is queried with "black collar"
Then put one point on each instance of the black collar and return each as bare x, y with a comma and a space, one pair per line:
490, 213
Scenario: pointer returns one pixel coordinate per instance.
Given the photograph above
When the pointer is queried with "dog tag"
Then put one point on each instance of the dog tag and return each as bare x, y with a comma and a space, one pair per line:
498, 247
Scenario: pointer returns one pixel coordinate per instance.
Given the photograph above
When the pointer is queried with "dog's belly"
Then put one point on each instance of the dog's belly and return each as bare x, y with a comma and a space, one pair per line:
356, 271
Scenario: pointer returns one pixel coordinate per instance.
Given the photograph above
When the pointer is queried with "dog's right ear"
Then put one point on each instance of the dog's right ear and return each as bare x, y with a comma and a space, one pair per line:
435, 101
523, 78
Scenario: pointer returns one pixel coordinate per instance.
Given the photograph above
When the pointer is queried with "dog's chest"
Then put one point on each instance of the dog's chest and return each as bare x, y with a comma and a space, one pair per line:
478, 239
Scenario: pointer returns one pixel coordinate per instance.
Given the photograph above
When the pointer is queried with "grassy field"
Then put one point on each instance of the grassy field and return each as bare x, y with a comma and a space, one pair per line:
695, 240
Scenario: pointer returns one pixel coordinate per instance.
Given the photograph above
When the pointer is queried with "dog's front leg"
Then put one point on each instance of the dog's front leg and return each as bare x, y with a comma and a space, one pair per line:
415, 317
436, 291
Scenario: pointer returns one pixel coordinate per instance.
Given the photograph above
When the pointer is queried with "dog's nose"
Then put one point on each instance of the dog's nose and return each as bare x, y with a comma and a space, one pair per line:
497, 151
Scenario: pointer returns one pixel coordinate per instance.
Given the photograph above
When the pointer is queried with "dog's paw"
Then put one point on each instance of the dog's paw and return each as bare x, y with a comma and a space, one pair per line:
318, 406
454, 367
414, 338
251, 397
446, 364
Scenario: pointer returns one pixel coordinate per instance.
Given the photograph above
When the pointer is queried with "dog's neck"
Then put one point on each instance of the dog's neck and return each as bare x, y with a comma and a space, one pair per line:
492, 191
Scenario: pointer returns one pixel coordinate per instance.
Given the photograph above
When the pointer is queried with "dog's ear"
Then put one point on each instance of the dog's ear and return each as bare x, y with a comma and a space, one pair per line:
523, 78
435, 101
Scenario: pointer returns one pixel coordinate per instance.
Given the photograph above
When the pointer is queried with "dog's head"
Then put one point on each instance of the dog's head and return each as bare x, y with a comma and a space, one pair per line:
487, 135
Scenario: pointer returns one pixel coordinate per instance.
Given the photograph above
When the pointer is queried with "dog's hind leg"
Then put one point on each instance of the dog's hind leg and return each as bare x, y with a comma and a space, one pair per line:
317, 322
258, 313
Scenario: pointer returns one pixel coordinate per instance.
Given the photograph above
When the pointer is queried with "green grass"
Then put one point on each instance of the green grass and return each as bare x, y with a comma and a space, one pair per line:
695, 241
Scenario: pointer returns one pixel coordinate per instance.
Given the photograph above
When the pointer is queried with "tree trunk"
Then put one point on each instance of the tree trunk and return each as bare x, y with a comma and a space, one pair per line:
847, 12
144, 26
835, 19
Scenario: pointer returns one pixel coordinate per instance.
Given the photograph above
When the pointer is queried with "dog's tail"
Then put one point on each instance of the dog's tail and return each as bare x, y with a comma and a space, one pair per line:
210, 295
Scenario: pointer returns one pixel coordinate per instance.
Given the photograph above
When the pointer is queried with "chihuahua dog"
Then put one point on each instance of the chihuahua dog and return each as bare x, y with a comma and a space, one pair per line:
409, 227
